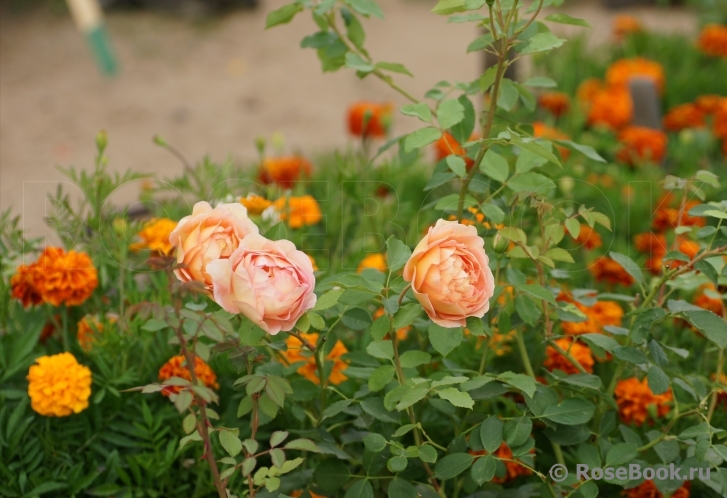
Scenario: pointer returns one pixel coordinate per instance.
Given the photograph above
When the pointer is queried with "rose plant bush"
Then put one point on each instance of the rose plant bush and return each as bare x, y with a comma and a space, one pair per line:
527, 301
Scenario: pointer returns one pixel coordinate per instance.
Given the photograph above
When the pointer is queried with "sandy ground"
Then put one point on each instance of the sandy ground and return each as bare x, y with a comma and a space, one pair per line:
209, 88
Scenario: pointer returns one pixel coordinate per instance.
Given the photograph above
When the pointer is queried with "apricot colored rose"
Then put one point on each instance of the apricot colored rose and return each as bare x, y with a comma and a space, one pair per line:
270, 282
449, 274
206, 235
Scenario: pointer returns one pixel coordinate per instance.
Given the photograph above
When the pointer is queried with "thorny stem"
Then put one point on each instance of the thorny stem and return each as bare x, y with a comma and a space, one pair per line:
412, 417
203, 424
718, 373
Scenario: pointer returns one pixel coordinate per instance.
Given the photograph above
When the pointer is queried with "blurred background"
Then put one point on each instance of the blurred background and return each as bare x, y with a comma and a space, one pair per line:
206, 76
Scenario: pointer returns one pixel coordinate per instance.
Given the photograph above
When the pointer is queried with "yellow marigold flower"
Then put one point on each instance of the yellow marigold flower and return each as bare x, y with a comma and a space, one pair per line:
59, 385
634, 397
174, 368
580, 352
56, 278
255, 204
299, 211
155, 236
376, 261
296, 352
313, 262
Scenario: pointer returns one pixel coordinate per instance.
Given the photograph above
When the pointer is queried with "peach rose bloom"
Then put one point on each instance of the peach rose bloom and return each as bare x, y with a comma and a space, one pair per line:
449, 274
270, 282
206, 235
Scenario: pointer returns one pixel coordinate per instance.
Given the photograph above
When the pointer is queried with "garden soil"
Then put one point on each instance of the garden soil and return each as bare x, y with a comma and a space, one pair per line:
210, 88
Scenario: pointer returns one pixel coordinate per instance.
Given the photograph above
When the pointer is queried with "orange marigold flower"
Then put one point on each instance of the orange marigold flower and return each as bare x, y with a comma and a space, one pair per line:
58, 385
607, 270
541, 130
580, 352
704, 300
634, 397
708, 103
296, 352
622, 71
648, 489
688, 247
719, 127
174, 368
513, 469
557, 103
667, 217
155, 236
624, 25
88, 327
601, 314
299, 211
722, 395
651, 243
447, 145
369, 119
402, 333
375, 260
611, 107
313, 262
641, 144
476, 214
589, 238
499, 343
684, 116
255, 204
587, 90
713, 40
299, 492
285, 171
49, 329
23, 286
56, 278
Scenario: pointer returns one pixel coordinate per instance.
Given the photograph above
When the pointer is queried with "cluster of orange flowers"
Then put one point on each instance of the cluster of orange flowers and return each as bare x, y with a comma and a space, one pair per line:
634, 397
297, 211
625, 25
369, 119
57, 278
580, 352
446, 145
704, 300
541, 130
557, 103
589, 238
285, 171
601, 314
309, 369
609, 104
174, 368
641, 144
513, 470
375, 260
648, 489
604, 269
402, 333
713, 40
155, 236
696, 114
